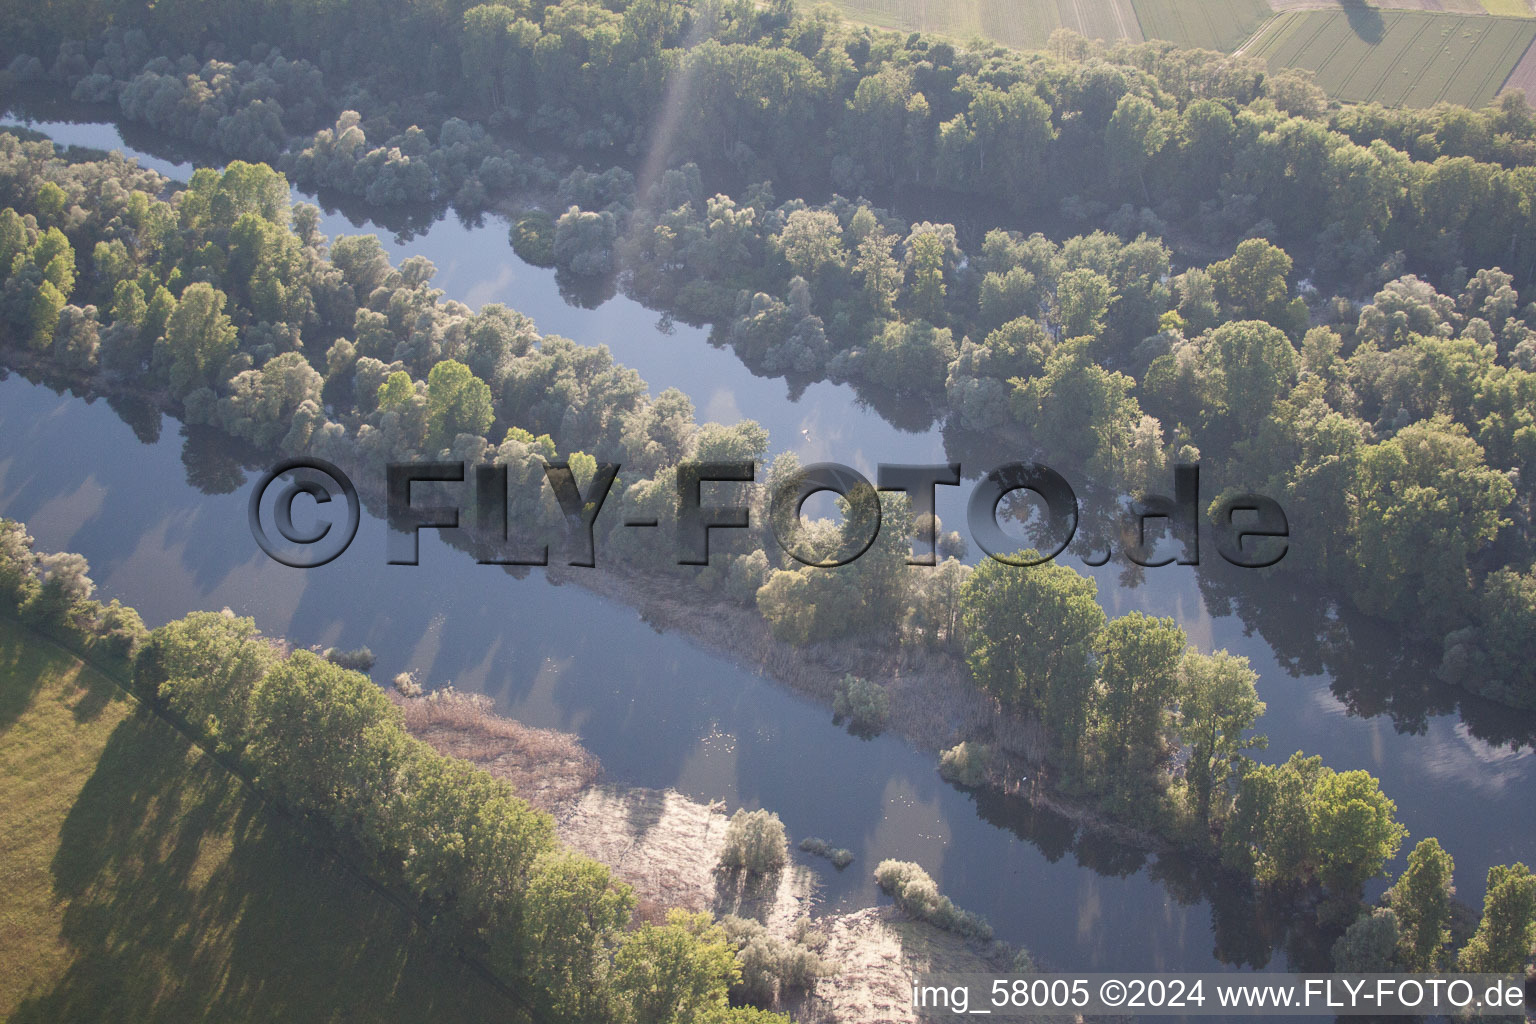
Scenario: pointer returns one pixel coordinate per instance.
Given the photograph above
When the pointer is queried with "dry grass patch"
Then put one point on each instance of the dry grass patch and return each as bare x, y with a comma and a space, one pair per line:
544, 766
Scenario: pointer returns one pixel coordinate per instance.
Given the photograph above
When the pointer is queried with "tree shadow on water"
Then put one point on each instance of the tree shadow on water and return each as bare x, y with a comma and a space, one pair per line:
184, 899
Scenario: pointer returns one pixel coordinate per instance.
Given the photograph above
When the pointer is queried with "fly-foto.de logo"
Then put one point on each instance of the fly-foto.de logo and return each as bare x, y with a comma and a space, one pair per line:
1249, 530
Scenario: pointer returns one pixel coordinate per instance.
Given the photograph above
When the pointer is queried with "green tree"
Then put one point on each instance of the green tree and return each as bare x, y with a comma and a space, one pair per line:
458, 402
812, 242
1218, 705
1252, 283
199, 338
43, 315
1029, 632
1245, 367
1138, 658
206, 668
396, 391
925, 261
328, 742
1270, 831
573, 913
1135, 135
1506, 936
879, 269
1354, 832
1421, 898
1425, 504
1369, 945
677, 972
1082, 300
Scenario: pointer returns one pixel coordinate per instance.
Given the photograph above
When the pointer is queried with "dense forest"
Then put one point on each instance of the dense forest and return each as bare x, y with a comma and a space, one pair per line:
1362, 350
1322, 303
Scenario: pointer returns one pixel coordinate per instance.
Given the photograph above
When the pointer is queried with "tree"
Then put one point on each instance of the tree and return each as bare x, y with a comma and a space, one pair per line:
573, 912
1079, 413
1354, 833
1135, 135
1369, 944
199, 338
1252, 283
1082, 299
879, 269
1421, 898
677, 972
1270, 831
458, 402
43, 316
1218, 705
396, 391
1425, 504
1139, 658
1245, 367
812, 240
1029, 631
925, 260
327, 741
1506, 936
754, 842
206, 667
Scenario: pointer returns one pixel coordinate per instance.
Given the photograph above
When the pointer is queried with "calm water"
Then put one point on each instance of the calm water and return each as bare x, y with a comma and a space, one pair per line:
562, 657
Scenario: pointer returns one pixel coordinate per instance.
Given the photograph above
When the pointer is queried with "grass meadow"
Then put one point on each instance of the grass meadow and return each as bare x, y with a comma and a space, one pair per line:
1399, 58
144, 882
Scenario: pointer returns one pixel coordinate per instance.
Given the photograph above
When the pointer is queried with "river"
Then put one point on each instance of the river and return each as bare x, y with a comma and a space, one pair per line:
162, 521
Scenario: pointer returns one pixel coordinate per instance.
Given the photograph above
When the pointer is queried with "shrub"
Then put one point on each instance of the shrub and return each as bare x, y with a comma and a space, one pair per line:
754, 841
533, 239
918, 895
863, 704
966, 763
771, 965
406, 684
818, 847
359, 660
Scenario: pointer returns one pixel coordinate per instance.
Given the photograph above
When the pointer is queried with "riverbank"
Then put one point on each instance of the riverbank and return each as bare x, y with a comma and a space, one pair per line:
665, 845
934, 705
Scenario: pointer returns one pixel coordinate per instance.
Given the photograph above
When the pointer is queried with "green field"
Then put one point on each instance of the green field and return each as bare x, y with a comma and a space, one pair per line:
1026, 24
1399, 58
141, 882
1200, 23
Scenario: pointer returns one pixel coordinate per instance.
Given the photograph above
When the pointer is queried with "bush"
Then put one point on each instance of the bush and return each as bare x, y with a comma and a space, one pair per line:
818, 847
754, 841
918, 895
863, 704
406, 684
358, 660
771, 965
966, 763
533, 239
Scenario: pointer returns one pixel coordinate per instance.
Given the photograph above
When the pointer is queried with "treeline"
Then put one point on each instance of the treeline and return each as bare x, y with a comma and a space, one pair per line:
484, 866
1122, 698
1119, 697
1213, 144
478, 862
1399, 434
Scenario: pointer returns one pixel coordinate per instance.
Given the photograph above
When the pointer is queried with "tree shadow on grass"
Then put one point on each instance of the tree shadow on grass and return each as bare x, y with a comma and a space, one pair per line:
1365, 20
26, 661
184, 899
21, 676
